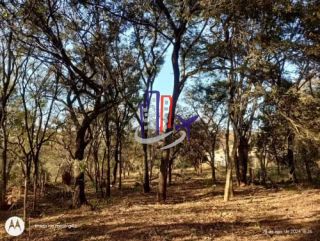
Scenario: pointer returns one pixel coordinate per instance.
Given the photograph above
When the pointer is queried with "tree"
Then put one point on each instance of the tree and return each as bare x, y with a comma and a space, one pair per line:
184, 29
151, 49
12, 65
208, 101
38, 89
60, 33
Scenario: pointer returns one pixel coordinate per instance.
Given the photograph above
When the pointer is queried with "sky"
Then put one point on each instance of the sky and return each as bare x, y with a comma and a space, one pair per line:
164, 84
164, 80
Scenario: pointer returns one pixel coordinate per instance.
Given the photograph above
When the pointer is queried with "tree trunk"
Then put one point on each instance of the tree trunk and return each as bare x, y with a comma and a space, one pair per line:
96, 167
290, 157
151, 163
228, 190
243, 154
79, 196
4, 176
162, 185
43, 183
278, 167
263, 169
108, 190
146, 180
124, 168
35, 182
116, 160
96, 179
170, 172
25, 199
120, 163
228, 185
108, 143
212, 161
277, 159
309, 175
4, 182
213, 174
103, 183
236, 158
35, 189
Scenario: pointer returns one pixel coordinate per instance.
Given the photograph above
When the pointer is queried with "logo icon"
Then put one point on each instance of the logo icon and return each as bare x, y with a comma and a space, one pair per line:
14, 226
160, 112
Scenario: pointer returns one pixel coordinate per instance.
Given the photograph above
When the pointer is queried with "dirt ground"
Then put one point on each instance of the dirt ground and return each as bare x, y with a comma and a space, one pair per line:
195, 211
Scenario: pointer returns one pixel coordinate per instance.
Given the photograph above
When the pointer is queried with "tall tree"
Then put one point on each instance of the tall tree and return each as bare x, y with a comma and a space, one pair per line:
184, 31
78, 39
12, 65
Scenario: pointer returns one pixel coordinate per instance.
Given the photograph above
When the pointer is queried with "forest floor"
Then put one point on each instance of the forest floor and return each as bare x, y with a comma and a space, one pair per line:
195, 210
